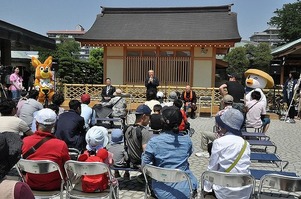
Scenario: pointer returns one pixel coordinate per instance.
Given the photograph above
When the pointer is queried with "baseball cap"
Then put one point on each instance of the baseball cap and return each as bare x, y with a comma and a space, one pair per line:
228, 99
85, 98
232, 120
143, 109
160, 94
116, 136
233, 75
97, 138
46, 116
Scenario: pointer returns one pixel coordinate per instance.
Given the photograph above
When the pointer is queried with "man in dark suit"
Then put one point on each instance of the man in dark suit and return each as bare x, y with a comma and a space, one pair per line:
189, 98
107, 91
151, 82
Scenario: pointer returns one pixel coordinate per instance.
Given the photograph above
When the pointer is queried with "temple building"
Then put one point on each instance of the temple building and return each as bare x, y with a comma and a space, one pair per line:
179, 43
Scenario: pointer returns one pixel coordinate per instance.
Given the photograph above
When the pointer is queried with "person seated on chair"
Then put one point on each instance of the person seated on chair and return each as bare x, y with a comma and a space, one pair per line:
171, 149
52, 149
58, 99
29, 107
256, 109
171, 98
118, 105
86, 112
137, 135
207, 136
21, 101
10, 150
116, 147
189, 98
70, 126
151, 100
107, 91
155, 119
225, 154
9, 122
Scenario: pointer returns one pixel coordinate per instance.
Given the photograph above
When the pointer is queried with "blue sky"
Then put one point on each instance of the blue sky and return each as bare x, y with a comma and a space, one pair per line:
41, 16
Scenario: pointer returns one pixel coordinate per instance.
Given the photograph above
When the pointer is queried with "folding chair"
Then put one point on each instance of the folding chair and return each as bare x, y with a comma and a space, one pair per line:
40, 167
75, 170
280, 184
269, 157
265, 143
164, 175
261, 136
258, 173
73, 153
229, 180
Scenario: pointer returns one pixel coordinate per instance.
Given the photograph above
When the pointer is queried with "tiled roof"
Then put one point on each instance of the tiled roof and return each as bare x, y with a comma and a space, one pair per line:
286, 47
212, 23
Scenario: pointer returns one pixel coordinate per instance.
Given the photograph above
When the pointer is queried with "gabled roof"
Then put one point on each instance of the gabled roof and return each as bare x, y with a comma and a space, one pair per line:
293, 47
212, 23
21, 35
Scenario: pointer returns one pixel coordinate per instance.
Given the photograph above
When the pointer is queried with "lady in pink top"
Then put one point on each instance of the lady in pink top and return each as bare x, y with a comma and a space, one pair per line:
16, 84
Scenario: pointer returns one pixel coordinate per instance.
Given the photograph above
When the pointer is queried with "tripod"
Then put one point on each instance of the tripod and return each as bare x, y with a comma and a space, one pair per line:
296, 88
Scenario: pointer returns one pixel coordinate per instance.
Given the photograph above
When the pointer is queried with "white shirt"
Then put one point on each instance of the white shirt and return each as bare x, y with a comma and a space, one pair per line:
253, 117
86, 113
263, 97
224, 152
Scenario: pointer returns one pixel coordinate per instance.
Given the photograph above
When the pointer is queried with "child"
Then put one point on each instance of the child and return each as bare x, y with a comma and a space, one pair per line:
155, 119
117, 149
97, 139
184, 124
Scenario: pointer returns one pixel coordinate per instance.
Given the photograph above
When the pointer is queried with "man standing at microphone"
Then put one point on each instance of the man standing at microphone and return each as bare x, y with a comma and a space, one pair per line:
151, 82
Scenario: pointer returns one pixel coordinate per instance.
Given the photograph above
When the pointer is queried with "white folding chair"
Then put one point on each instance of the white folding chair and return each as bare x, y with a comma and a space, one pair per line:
75, 170
229, 180
280, 185
40, 167
165, 175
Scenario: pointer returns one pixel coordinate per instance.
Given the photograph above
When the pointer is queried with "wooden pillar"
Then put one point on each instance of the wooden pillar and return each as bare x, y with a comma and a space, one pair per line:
5, 47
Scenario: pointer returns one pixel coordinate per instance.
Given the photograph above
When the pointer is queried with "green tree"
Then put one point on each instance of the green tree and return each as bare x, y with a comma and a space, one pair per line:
288, 19
262, 57
237, 60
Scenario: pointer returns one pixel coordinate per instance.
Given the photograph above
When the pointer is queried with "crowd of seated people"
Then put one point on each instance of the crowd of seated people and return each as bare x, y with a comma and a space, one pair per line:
134, 147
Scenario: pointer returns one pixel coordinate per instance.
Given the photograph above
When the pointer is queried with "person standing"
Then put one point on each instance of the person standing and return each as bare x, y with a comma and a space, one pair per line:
16, 84
151, 82
189, 98
107, 91
290, 86
234, 88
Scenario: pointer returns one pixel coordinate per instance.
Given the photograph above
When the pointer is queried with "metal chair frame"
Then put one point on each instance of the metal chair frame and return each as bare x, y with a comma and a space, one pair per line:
164, 175
40, 167
278, 182
226, 179
76, 169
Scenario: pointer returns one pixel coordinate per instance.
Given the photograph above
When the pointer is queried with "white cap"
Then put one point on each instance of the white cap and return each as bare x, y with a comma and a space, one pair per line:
97, 137
160, 94
46, 116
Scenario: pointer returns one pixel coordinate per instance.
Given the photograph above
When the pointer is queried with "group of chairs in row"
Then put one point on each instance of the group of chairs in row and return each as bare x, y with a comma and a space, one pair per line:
275, 183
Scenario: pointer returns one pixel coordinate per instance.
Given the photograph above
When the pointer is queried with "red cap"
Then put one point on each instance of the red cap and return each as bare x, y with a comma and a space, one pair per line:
85, 98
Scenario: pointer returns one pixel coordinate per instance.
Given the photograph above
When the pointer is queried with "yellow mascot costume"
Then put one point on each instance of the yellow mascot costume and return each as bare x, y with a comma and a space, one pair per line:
43, 82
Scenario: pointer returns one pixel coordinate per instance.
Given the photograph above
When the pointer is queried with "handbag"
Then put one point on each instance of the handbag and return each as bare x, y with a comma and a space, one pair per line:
238, 157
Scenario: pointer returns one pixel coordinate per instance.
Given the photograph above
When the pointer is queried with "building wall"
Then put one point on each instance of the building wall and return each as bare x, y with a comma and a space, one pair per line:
203, 62
114, 64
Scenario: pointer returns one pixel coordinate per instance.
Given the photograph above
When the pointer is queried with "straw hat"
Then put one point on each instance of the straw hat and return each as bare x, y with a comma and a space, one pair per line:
270, 80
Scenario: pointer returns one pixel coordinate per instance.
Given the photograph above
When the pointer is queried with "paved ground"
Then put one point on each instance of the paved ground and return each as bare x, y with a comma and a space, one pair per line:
286, 137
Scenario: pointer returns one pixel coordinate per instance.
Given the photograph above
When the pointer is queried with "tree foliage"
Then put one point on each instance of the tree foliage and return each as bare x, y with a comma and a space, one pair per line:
249, 56
288, 19
237, 60
71, 68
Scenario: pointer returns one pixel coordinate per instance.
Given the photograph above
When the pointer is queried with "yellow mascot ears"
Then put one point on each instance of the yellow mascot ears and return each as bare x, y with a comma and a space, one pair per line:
35, 62
48, 61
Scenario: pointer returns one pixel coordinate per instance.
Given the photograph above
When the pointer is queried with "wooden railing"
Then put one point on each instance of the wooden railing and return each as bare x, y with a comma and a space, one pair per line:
137, 92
